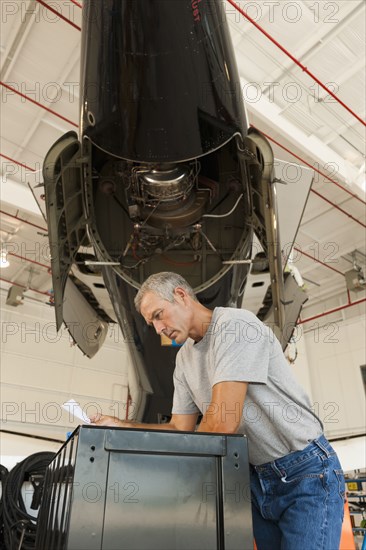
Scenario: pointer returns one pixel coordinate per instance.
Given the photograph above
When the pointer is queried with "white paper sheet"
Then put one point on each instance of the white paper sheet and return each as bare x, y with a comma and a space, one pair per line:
76, 411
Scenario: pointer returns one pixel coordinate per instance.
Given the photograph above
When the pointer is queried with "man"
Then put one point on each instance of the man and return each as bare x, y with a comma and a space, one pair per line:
232, 370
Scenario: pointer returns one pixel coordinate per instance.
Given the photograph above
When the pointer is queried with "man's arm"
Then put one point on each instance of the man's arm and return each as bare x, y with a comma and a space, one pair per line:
224, 413
178, 422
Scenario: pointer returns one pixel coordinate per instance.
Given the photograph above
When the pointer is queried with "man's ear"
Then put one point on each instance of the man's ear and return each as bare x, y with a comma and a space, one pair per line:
180, 294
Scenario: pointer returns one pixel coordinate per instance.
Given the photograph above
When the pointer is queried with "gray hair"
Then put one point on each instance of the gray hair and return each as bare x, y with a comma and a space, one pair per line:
163, 284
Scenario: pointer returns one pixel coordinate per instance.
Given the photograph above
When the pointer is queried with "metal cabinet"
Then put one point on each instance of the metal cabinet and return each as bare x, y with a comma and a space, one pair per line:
130, 489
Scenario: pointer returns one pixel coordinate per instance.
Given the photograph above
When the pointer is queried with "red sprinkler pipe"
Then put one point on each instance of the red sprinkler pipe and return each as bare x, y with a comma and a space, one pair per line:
48, 7
318, 261
337, 207
26, 288
38, 104
17, 162
29, 260
331, 311
23, 221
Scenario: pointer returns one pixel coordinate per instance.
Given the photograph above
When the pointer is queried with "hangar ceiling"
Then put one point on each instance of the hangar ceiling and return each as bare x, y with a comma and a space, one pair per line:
277, 45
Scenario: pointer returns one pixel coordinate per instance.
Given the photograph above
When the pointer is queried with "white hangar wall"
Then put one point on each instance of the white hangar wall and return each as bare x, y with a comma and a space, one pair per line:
336, 352
41, 369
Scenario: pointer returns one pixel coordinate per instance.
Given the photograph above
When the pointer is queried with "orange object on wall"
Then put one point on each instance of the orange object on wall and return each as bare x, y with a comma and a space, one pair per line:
347, 539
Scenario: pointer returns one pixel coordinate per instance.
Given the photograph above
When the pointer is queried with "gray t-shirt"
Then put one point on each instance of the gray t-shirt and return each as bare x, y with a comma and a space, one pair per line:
277, 416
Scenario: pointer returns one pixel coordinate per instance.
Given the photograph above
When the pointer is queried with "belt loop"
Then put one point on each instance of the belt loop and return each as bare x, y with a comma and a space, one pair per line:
321, 446
278, 471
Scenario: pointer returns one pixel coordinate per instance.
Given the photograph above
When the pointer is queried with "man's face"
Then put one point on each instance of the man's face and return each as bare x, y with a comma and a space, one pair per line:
171, 319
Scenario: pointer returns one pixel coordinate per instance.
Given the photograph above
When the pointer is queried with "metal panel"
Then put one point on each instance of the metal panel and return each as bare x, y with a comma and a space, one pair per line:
62, 173
157, 503
165, 442
89, 492
86, 327
124, 489
236, 495
292, 183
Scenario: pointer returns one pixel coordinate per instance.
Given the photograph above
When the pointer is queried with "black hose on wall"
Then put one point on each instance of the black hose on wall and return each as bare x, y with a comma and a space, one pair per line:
3, 474
18, 528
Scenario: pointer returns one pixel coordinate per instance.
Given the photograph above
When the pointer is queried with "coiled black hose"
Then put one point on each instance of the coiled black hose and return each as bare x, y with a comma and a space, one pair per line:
3, 474
19, 526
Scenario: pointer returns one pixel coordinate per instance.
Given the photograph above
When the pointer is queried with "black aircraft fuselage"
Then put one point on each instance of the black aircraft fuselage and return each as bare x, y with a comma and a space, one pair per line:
164, 175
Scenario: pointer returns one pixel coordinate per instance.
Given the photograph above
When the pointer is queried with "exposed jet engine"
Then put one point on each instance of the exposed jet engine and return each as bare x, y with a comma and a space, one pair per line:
164, 176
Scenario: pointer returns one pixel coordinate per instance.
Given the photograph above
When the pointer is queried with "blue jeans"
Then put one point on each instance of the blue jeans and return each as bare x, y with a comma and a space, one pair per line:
298, 500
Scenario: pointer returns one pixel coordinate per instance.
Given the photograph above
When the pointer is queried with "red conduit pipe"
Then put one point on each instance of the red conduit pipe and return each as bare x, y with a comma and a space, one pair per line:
23, 221
39, 104
310, 166
48, 7
27, 288
318, 261
17, 162
331, 311
296, 61
48, 267
337, 207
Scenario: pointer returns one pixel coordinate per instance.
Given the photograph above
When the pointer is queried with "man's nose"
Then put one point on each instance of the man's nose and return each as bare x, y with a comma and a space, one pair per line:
158, 326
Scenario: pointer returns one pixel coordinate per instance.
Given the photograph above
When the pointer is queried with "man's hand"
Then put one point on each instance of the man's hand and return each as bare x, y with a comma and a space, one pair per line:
111, 421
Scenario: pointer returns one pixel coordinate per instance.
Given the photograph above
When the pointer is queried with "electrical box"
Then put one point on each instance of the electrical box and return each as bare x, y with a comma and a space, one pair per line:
355, 280
129, 489
15, 296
